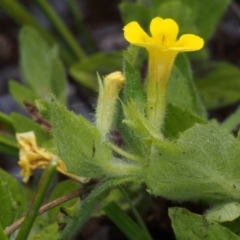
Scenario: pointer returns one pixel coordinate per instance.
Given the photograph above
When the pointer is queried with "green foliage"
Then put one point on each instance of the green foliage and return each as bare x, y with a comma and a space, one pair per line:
201, 164
88, 206
124, 222
224, 212
198, 17
8, 144
104, 63
23, 124
179, 120
2, 234
61, 189
42, 70
187, 225
21, 93
232, 121
181, 90
219, 87
50, 232
13, 202
187, 158
70, 131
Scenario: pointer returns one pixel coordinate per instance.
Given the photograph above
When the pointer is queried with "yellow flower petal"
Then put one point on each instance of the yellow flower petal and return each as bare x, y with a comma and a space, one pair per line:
164, 31
133, 33
188, 42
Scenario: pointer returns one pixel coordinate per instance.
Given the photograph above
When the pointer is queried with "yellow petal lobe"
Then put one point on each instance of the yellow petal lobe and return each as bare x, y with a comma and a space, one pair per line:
134, 34
187, 43
164, 31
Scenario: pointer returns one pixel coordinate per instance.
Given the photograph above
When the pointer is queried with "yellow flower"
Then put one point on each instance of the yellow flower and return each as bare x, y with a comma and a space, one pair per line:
164, 34
162, 47
33, 157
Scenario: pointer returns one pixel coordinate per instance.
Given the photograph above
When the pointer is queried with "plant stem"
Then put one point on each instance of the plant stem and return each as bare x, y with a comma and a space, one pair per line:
48, 206
23, 17
61, 28
136, 214
6, 122
37, 200
82, 29
125, 154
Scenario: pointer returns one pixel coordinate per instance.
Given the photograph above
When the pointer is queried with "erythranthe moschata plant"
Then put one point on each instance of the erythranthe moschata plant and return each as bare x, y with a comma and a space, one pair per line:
166, 144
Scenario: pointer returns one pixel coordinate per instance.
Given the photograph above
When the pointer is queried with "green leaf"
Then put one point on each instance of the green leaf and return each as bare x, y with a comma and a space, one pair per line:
103, 63
181, 90
224, 212
135, 12
58, 77
130, 229
61, 189
23, 124
198, 17
78, 142
50, 232
232, 121
35, 61
6, 122
41, 66
90, 204
8, 145
221, 86
202, 164
21, 93
187, 225
2, 234
180, 12
179, 120
12, 199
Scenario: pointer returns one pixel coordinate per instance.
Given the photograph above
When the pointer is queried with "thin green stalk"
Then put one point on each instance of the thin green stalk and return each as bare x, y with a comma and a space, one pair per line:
124, 222
136, 213
21, 15
90, 203
37, 201
8, 145
125, 154
6, 122
61, 28
2, 234
82, 29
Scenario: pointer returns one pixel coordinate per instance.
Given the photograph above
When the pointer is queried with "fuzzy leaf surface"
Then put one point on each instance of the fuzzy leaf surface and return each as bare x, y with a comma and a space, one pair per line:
78, 142
12, 199
188, 225
202, 164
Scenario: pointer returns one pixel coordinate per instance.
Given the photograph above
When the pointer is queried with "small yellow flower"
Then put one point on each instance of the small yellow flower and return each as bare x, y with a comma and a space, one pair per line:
164, 34
162, 47
33, 157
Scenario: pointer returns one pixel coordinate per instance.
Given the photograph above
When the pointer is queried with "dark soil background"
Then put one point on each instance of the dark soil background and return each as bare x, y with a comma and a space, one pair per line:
103, 21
